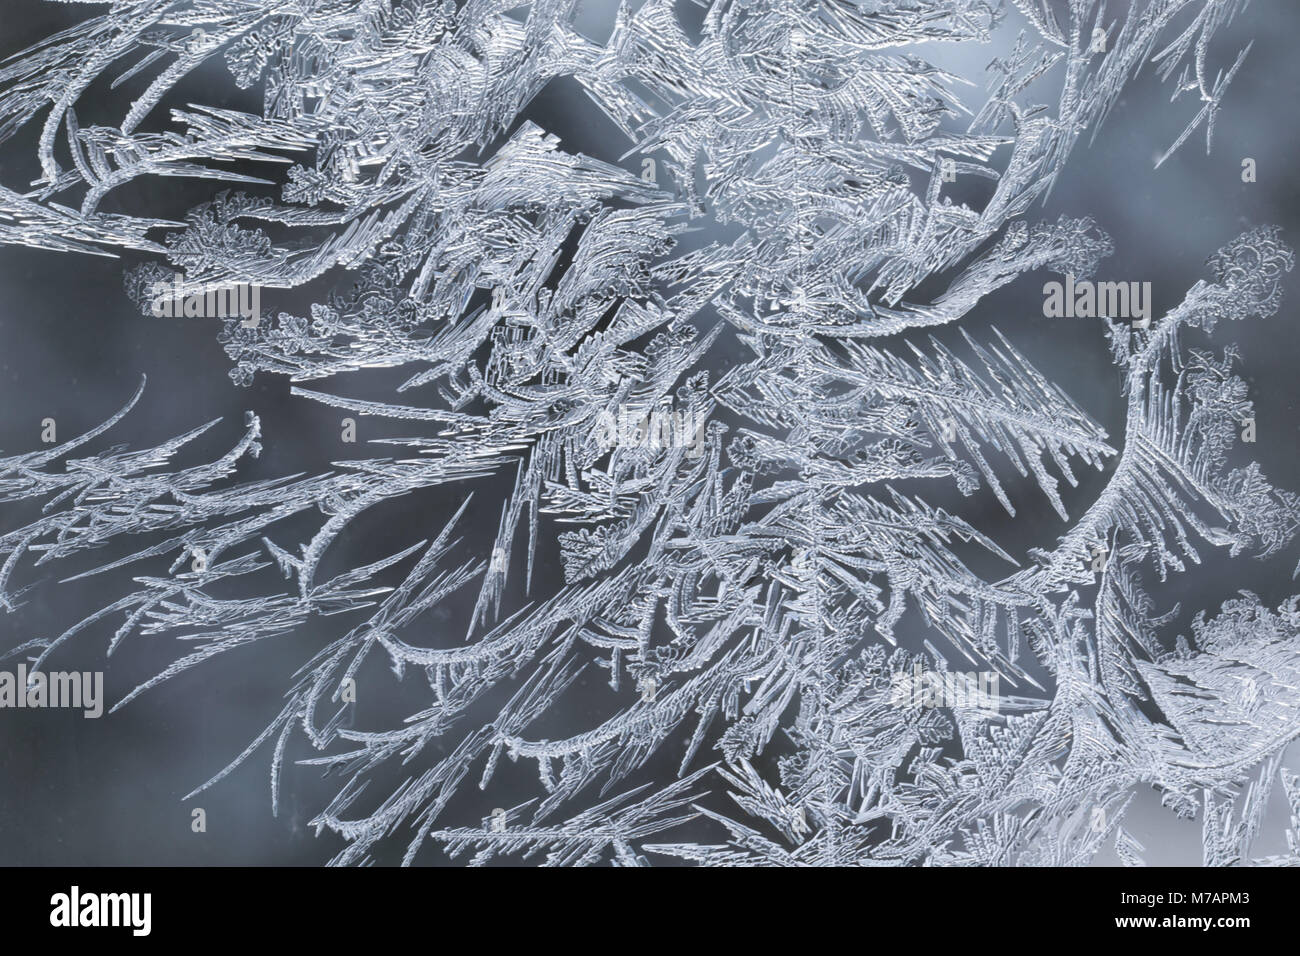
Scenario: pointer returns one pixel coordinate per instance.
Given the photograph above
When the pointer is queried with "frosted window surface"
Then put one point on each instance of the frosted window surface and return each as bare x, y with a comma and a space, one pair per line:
699, 584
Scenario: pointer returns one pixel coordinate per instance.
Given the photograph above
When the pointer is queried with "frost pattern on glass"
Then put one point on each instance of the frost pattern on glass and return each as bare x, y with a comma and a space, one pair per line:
740, 593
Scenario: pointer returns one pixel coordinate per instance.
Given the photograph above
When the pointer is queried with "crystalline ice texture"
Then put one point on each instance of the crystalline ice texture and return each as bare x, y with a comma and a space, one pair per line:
738, 588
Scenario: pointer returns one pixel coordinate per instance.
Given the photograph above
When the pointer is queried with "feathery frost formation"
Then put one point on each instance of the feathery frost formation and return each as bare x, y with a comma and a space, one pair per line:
711, 672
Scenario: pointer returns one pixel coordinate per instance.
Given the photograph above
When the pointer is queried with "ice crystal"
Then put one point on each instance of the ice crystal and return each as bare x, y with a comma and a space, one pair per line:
744, 597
